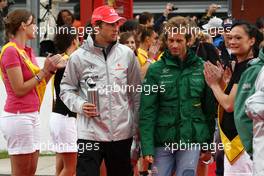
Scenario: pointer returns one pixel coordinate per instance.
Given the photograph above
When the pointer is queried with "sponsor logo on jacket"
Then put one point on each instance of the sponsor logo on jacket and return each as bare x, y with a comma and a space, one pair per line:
119, 67
246, 86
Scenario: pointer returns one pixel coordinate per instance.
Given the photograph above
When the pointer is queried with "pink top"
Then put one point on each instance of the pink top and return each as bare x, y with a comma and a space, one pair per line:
30, 101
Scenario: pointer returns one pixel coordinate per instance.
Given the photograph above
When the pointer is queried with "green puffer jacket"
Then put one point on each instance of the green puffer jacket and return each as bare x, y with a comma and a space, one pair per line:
246, 87
181, 109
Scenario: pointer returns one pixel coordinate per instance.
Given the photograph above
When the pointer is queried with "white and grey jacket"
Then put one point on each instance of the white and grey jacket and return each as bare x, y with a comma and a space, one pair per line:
254, 105
113, 74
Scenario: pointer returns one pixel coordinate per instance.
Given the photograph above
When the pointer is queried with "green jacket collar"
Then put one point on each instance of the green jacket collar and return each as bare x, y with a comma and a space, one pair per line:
259, 59
261, 55
175, 61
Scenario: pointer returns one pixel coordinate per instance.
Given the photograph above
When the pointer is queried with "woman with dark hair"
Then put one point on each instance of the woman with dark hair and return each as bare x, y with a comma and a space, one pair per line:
63, 121
244, 41
25, 85
130, 26
65, 17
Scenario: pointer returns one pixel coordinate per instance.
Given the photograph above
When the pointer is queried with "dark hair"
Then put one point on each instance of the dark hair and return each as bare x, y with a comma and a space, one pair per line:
60, 21
89, 29
129, 26
14, 19
145, 17
87, 26
124, 36
76, 11
145, 32
260, 22
253, 32
64, 38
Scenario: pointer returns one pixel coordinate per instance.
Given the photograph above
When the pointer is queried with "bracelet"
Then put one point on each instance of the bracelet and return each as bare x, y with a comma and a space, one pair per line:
45, 72
211, 160
37, 78
149, 61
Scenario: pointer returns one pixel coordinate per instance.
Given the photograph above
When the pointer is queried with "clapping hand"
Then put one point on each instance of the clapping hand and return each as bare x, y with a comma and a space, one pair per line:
58, 61
213, 74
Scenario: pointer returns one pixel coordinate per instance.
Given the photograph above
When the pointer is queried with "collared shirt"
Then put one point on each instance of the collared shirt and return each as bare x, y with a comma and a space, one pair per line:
30, 101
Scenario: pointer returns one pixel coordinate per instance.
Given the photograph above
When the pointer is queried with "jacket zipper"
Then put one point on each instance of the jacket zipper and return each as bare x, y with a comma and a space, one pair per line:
109, 96
179, 97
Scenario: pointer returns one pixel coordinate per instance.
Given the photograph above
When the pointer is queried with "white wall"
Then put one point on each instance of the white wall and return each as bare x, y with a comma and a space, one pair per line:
44, 113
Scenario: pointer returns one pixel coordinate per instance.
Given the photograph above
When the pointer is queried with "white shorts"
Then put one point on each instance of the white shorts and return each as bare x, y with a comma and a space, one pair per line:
242, 167
21, 131
63, 133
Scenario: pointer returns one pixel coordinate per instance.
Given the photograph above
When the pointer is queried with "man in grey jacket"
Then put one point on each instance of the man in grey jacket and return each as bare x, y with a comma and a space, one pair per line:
114, 69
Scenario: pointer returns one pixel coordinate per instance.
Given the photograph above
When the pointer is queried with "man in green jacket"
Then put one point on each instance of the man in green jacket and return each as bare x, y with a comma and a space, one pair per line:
246, 88
177, 114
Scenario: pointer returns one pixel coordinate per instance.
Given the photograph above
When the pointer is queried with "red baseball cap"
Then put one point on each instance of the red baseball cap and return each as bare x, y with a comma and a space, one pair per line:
106, 14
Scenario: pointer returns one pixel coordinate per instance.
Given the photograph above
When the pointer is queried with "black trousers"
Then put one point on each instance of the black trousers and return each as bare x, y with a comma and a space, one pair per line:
116, 155
219, 156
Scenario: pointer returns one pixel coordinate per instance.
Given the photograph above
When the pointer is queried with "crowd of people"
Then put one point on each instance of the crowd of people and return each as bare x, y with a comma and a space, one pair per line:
164, 92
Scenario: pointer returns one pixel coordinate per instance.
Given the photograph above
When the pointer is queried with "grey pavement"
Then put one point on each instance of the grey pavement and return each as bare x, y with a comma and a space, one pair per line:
46, 166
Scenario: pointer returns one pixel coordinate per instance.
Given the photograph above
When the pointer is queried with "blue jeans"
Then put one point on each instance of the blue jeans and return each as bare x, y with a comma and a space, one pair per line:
184, 162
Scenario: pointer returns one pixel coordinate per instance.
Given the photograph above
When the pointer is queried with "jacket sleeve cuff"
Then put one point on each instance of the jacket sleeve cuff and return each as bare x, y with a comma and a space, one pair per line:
148, 151
80, 105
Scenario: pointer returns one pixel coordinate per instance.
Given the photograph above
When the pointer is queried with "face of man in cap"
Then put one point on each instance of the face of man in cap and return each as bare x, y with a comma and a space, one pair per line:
107, 21
107, 32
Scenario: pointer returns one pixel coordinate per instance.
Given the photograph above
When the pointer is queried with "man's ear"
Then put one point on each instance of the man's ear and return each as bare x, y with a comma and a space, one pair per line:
188, 42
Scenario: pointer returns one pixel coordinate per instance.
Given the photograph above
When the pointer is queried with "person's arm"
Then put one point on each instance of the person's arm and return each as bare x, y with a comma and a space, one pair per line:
213, 76
70, 86
145, 63
242, 120
58, 61
144, 69
11, 63
148, 113
226, 101
212, 9
19, 86
159, 22
135, 81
